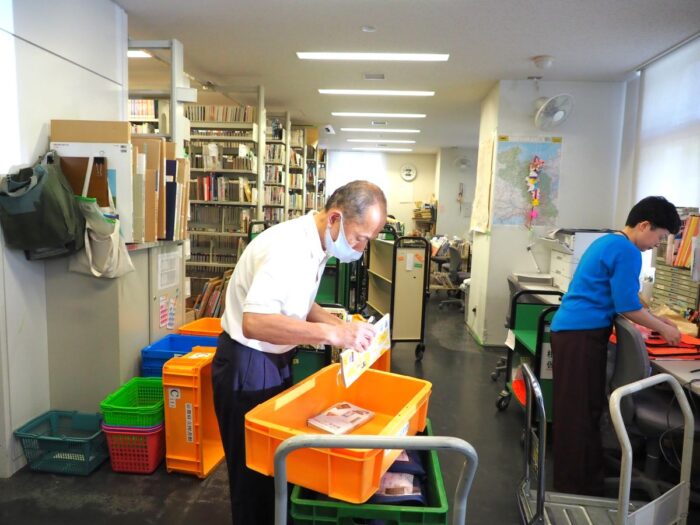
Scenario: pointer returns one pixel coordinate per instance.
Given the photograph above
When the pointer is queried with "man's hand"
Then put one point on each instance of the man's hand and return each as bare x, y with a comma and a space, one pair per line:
671, 333
355, 335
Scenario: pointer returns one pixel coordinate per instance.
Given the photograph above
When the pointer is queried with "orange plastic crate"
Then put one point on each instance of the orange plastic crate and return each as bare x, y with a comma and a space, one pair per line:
383, 363
192, 439
210, 326
400, 404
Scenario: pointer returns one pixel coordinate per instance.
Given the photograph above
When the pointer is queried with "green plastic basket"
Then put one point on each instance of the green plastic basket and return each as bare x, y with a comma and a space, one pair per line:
137, 403
306, 362
306, 509
64, 442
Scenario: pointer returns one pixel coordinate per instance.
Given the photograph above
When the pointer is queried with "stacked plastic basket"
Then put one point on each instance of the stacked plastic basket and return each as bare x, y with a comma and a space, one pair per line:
133, 424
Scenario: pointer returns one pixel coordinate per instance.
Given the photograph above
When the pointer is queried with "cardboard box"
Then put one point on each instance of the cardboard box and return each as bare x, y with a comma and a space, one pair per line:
139, 171
102, 131
75, 171
119, 175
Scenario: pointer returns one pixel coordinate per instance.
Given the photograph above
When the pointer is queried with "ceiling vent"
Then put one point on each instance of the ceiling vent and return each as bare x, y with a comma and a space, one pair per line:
373, 76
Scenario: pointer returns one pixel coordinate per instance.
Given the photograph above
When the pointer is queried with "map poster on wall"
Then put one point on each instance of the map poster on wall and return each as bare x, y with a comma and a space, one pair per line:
523, 196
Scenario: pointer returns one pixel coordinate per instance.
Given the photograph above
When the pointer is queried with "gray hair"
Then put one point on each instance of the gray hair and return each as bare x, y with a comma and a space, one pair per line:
355, 198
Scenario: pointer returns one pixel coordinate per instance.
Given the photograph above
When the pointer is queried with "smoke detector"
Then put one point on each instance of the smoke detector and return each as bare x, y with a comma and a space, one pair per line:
543, 61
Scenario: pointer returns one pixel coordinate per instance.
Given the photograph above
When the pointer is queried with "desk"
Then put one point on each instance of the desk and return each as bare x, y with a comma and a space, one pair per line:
681, 370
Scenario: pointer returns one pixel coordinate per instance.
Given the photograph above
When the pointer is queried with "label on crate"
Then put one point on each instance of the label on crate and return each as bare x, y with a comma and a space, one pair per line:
173, 396
197, 355
189, 429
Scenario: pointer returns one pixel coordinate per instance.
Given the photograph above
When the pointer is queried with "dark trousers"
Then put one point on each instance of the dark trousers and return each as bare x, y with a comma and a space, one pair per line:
242, 378
579, 401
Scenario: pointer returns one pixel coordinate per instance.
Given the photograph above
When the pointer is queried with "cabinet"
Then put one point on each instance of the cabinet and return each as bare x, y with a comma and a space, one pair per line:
397, 284
566, 249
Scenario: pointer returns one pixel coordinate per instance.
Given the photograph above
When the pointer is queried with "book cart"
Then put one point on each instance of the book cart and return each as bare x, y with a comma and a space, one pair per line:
398, 277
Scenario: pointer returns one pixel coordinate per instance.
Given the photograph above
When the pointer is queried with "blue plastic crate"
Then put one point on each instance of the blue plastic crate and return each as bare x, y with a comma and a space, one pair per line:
64, 442
153, 357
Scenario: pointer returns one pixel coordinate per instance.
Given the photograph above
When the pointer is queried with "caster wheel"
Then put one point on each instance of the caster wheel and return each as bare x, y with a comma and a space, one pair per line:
420, 350
494, 376
503, 401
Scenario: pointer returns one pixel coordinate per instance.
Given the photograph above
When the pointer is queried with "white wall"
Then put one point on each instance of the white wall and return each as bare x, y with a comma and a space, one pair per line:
587, 188
81, 76
383, 170
451, 220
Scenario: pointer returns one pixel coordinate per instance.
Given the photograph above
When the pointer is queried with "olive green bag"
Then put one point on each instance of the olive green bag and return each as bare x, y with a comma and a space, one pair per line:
39, 213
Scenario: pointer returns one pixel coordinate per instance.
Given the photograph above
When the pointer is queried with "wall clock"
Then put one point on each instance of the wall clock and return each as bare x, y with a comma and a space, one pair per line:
408, 172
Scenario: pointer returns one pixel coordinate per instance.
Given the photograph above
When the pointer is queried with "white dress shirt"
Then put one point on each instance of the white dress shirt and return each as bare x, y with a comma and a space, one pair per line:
278, 273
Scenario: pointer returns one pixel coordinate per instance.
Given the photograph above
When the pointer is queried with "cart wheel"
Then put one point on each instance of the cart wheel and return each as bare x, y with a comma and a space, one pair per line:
494, 376
420, 350
503, 401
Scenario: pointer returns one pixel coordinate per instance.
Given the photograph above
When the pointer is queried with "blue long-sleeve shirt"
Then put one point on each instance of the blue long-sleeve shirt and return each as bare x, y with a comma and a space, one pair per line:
606, 282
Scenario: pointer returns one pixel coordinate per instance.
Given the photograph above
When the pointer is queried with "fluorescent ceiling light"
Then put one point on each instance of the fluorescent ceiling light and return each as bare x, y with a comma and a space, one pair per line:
383, 57
382, 141
377, 115
377, 92
137, 53
382, 149
378, 130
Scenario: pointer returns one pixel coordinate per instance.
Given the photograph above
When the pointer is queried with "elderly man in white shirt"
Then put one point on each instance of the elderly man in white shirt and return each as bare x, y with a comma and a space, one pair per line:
270, 309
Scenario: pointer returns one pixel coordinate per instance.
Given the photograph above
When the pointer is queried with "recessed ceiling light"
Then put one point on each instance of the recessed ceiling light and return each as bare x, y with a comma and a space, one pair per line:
377, 92
137, 53
383, 57
375, 130
368, 29
377, 115
382, 149
383, 141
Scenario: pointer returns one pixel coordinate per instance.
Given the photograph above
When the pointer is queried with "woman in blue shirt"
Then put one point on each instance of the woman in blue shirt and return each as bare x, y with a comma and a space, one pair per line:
606, 283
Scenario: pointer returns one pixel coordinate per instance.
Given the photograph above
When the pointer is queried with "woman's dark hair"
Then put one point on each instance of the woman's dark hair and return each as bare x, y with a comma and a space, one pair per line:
658, 211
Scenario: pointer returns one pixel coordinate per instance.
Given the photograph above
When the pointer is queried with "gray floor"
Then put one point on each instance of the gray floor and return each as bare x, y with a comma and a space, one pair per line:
462, 405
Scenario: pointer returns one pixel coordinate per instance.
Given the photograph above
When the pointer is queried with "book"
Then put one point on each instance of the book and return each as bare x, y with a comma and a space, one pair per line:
340, 418
354, 363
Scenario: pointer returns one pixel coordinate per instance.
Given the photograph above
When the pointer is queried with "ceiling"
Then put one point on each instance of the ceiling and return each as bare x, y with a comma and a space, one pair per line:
251, 42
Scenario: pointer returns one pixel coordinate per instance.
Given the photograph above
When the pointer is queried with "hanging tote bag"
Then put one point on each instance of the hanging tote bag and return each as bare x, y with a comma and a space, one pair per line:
105, 254
38, 213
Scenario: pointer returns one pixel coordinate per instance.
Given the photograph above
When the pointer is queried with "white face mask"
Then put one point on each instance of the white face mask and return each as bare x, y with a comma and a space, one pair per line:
340, 248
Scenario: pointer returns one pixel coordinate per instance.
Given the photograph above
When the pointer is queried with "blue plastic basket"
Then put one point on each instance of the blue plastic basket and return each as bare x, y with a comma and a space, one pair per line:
64, 442
153, 357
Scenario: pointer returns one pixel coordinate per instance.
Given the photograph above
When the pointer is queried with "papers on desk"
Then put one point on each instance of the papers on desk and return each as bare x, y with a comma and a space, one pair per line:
510, 340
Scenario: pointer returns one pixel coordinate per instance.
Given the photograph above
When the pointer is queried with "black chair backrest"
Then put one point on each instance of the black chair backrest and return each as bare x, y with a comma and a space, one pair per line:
631, 360
455, 262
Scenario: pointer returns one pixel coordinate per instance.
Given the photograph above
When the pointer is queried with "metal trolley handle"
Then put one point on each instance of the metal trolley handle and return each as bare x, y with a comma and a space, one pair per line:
377, 442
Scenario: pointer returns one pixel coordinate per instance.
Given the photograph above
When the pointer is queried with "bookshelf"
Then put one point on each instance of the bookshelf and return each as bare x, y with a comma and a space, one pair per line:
311, 179
321, 167
276, 168
297, 166
225, 148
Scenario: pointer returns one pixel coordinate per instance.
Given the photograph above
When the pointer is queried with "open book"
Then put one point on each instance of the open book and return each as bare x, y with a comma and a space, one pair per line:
354, 363
340, 418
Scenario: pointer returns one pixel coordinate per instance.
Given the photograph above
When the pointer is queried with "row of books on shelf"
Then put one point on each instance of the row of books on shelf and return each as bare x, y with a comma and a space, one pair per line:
224, 161
273, 215
213, 187
274, 195
211, 301
274, 174
143, 108
225, 219
217, 113
295, 201
321, 173
238, 149
296, 180
297, 138
145, 128
310, 200
311, 175
206, 133
274, 152
295, 159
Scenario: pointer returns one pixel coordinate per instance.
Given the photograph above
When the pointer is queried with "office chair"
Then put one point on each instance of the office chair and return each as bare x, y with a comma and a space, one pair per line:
456, 275
650, 414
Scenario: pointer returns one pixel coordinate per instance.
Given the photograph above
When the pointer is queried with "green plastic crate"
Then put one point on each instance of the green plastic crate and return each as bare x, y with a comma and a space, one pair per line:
306, 362
137, 403
307, 510
64, 442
